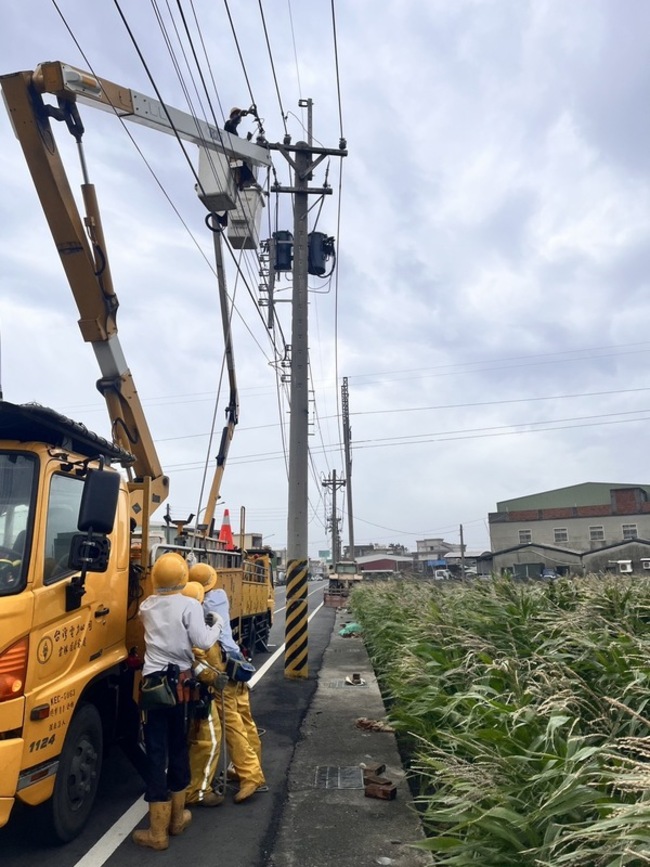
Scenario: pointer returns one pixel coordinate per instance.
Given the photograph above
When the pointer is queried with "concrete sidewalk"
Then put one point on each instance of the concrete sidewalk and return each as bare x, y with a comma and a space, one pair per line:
327, 820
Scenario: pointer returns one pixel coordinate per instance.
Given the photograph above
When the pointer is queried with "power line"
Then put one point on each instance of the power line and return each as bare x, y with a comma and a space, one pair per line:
552, 358
338, 80
239, 52
500, 402
275, 78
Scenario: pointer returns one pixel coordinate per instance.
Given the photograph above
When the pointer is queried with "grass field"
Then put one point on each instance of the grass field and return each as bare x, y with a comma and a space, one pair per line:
522, 713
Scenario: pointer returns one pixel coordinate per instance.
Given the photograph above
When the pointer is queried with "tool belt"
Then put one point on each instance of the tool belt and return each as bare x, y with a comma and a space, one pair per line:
239, 669
162, 689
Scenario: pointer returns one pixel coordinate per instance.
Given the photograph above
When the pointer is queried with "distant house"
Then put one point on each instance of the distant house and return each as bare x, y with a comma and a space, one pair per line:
581, 528
385, 562
435, 554
529, 560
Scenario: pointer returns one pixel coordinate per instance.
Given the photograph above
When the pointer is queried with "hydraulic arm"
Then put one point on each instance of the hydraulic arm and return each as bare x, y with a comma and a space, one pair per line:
81, 246
232, 410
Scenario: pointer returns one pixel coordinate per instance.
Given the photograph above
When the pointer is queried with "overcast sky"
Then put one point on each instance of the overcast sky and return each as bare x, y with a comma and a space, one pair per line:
490, 306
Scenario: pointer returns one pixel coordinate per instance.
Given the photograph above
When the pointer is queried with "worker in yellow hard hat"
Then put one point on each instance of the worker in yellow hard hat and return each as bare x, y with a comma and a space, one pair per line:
205, 730
242, 736
173, 624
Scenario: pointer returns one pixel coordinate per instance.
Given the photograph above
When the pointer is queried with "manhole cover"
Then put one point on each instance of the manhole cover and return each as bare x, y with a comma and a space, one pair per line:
332, 777
337, 684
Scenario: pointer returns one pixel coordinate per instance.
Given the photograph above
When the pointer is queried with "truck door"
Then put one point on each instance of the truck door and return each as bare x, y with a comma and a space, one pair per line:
69, 640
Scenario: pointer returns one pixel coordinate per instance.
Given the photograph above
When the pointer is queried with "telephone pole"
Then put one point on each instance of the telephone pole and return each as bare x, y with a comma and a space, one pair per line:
303, 158
462, 552
347, 435
334, 484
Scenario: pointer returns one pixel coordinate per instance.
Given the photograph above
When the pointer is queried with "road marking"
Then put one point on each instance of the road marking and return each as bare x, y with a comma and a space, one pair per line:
117, 834
311, 593
269, 662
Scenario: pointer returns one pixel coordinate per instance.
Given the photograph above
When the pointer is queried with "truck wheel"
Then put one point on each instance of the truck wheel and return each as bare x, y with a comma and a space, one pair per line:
262, 637
77, 778
251, 639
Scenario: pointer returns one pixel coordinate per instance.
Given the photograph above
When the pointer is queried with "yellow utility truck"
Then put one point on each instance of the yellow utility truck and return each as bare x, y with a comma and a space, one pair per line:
74, 507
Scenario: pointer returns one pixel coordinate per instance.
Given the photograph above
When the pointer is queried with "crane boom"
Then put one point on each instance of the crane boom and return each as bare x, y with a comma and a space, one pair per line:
68, 82
80, 244
232, 410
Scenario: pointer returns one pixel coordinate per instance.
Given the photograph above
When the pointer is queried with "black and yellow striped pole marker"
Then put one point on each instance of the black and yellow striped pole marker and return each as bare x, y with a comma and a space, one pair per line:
295, 629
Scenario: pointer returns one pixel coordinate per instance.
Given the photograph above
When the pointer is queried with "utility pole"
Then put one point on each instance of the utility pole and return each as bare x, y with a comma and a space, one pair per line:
303, 158
334, 484
462, 551
347, 435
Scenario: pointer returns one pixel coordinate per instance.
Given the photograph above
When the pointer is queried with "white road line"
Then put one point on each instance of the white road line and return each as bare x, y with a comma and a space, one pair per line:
259, 674
115, 836
311, 593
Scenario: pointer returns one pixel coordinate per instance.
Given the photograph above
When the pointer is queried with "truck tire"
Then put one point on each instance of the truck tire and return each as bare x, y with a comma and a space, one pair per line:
77, 778
251, 639
262, 633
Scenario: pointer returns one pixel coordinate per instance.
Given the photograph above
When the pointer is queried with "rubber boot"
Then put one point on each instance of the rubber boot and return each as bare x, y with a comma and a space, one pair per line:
245, 792
180, 818
156, 836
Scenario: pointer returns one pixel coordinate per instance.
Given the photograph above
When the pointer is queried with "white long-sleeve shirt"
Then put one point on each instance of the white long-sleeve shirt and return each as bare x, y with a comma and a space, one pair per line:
216, 601
173, 625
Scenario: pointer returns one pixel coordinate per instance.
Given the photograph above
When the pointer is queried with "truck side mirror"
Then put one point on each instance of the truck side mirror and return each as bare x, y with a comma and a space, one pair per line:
90, 549
99, 502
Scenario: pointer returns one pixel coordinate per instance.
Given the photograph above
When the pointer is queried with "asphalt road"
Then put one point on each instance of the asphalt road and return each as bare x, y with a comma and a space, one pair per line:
240, 835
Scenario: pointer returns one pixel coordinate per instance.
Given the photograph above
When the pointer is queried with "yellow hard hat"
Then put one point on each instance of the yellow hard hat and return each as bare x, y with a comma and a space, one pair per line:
203, 574
194, 590
170, 573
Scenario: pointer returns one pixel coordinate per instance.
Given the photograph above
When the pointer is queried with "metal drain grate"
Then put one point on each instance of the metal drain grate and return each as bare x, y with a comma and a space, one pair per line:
337, 684
331, 777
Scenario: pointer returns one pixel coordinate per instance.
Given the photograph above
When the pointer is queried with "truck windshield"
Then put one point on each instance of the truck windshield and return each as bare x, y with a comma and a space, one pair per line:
17, 478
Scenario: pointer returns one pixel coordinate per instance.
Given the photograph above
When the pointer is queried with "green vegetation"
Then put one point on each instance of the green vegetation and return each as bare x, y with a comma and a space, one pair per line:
522, 712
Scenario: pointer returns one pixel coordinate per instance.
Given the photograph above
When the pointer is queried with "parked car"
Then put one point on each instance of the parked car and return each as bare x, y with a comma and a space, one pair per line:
441, 574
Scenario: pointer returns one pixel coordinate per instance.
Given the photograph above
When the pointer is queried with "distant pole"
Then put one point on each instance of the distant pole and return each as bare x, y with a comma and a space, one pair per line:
347, 435
462, 551
334, 484
336, 555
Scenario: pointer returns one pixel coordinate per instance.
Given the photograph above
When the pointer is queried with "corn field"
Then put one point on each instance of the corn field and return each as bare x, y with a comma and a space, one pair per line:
521, 712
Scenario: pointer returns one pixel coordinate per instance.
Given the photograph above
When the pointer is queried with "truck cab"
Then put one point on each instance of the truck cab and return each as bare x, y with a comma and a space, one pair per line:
343, 577
57, 647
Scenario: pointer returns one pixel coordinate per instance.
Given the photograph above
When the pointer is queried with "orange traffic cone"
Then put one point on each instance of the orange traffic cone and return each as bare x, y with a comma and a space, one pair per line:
225, 533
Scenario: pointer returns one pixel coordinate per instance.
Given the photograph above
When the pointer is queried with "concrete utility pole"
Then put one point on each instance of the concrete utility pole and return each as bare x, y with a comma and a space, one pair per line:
347, 435
462, 551
303, 158
334, 484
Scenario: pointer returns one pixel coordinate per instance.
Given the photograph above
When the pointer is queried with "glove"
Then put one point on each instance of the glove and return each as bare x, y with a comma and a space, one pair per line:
221, 681
214, 619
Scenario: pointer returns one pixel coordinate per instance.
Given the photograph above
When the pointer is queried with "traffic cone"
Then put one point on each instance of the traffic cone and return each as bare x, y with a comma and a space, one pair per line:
225, 533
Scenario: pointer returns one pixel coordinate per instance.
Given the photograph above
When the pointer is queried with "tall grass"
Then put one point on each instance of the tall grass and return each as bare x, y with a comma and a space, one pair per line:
522, 709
